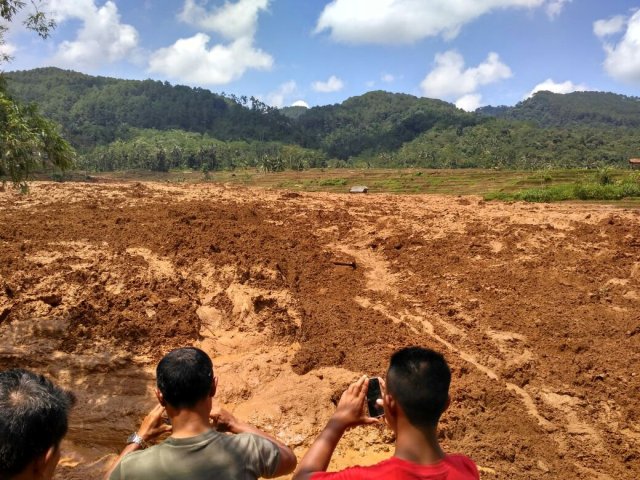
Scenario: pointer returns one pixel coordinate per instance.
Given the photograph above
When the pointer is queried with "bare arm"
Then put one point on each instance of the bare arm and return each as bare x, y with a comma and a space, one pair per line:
349, 413
152, 426
319, 454
225, 421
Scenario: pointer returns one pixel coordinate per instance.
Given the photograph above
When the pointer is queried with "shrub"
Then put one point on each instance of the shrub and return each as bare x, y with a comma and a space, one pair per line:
605, 176
603, 188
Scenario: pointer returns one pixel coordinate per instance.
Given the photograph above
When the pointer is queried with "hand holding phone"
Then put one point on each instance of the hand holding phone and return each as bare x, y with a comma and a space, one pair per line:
374, 393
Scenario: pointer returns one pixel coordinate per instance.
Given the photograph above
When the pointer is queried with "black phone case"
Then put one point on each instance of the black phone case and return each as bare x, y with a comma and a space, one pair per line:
373, 394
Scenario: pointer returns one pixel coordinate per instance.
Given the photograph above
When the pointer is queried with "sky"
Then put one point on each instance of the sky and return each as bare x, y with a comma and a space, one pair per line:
316, 52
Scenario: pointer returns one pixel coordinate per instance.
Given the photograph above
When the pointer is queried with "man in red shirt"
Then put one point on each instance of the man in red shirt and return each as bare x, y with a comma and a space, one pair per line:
417, 393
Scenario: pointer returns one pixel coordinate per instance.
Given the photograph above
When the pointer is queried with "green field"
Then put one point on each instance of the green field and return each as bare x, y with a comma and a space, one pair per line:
507, 185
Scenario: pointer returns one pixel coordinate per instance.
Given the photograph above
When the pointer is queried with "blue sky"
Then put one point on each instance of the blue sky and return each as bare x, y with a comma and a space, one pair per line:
468, 52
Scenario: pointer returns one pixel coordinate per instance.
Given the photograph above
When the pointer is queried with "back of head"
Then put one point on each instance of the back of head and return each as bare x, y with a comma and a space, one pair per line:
33, 418
184, 377
419, 379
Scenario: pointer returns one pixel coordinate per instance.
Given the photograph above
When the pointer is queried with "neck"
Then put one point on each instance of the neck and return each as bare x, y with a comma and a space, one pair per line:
189, 422
417, 446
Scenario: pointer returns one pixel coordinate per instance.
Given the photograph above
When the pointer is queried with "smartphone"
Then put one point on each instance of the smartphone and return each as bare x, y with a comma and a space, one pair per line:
373, 394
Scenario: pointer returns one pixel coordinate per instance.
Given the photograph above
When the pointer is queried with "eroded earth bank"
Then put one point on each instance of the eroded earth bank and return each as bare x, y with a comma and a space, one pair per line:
535, 306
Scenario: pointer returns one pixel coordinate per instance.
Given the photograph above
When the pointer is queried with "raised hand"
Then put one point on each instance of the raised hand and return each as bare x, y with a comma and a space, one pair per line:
153, 424
351, 407
222, 419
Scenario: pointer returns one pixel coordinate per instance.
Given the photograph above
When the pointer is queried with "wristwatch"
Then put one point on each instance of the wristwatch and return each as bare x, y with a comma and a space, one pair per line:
137, 439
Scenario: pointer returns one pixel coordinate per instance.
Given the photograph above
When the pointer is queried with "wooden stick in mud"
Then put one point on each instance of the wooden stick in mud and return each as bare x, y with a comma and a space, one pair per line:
351, 264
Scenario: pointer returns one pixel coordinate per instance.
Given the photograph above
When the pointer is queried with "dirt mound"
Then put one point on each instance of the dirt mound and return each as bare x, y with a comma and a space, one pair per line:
97, 281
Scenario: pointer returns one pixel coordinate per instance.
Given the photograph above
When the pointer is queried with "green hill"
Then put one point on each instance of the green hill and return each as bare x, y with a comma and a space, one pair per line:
583, 109
376, 122
98, 110
119, 124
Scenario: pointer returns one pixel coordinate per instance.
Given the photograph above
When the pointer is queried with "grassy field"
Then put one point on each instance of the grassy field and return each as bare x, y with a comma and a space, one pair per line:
507, 185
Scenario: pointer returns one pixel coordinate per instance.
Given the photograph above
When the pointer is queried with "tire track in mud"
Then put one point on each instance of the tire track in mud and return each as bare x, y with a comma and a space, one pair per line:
380, 279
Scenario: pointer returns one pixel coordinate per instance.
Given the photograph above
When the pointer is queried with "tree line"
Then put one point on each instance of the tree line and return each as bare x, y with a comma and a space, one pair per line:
175, 149
500, 143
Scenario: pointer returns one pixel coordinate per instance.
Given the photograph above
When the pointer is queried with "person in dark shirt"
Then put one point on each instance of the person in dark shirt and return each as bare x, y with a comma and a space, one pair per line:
34, 416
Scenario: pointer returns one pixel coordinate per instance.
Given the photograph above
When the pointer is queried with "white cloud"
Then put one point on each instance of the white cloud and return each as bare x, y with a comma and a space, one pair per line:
300, 103
623, 58
605, 28
231, 20
388, 78
550, 86
62, 10
470, 102
370, 84
192, 61
449, 78
334, 84
102, 37
407, 21
278, 97
555, 7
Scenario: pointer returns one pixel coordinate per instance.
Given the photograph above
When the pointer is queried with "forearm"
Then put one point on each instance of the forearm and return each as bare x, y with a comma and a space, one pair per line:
318, 457
151, 427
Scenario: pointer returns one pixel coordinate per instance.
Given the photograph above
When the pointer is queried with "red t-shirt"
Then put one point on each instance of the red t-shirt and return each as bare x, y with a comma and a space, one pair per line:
452, 467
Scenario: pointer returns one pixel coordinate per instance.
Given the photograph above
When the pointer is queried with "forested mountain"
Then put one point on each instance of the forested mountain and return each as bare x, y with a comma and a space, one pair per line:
583, 109
499, 143
120, 124
98, 110
376, 121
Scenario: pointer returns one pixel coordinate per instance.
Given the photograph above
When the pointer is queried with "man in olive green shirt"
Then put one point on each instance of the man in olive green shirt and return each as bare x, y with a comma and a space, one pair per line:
205, 442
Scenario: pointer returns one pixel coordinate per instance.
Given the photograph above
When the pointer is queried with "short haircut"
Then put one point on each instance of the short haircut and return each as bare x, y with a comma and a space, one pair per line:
185, 376
419, 378
33, 418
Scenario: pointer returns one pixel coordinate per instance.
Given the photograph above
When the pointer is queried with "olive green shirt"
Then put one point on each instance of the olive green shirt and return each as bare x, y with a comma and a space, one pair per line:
212, 455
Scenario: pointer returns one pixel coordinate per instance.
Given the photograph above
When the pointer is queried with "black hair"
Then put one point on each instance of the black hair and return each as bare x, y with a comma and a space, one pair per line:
33, 417
185, 376
419, 378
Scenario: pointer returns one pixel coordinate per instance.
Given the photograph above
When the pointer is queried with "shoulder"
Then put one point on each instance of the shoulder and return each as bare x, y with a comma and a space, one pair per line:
262, 456
253, 448
140, 459
462, 463
379, 470
248, 440
139, 455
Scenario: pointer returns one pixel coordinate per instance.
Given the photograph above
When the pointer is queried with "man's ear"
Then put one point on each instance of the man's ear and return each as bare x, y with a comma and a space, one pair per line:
160, 398
45, 465
214, 387
391, 406
390, 411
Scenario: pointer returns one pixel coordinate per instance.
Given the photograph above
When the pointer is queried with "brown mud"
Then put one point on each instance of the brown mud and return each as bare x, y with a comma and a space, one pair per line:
535, 306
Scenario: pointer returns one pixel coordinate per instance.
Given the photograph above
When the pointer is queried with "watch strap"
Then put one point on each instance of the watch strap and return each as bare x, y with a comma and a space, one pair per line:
137, 439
